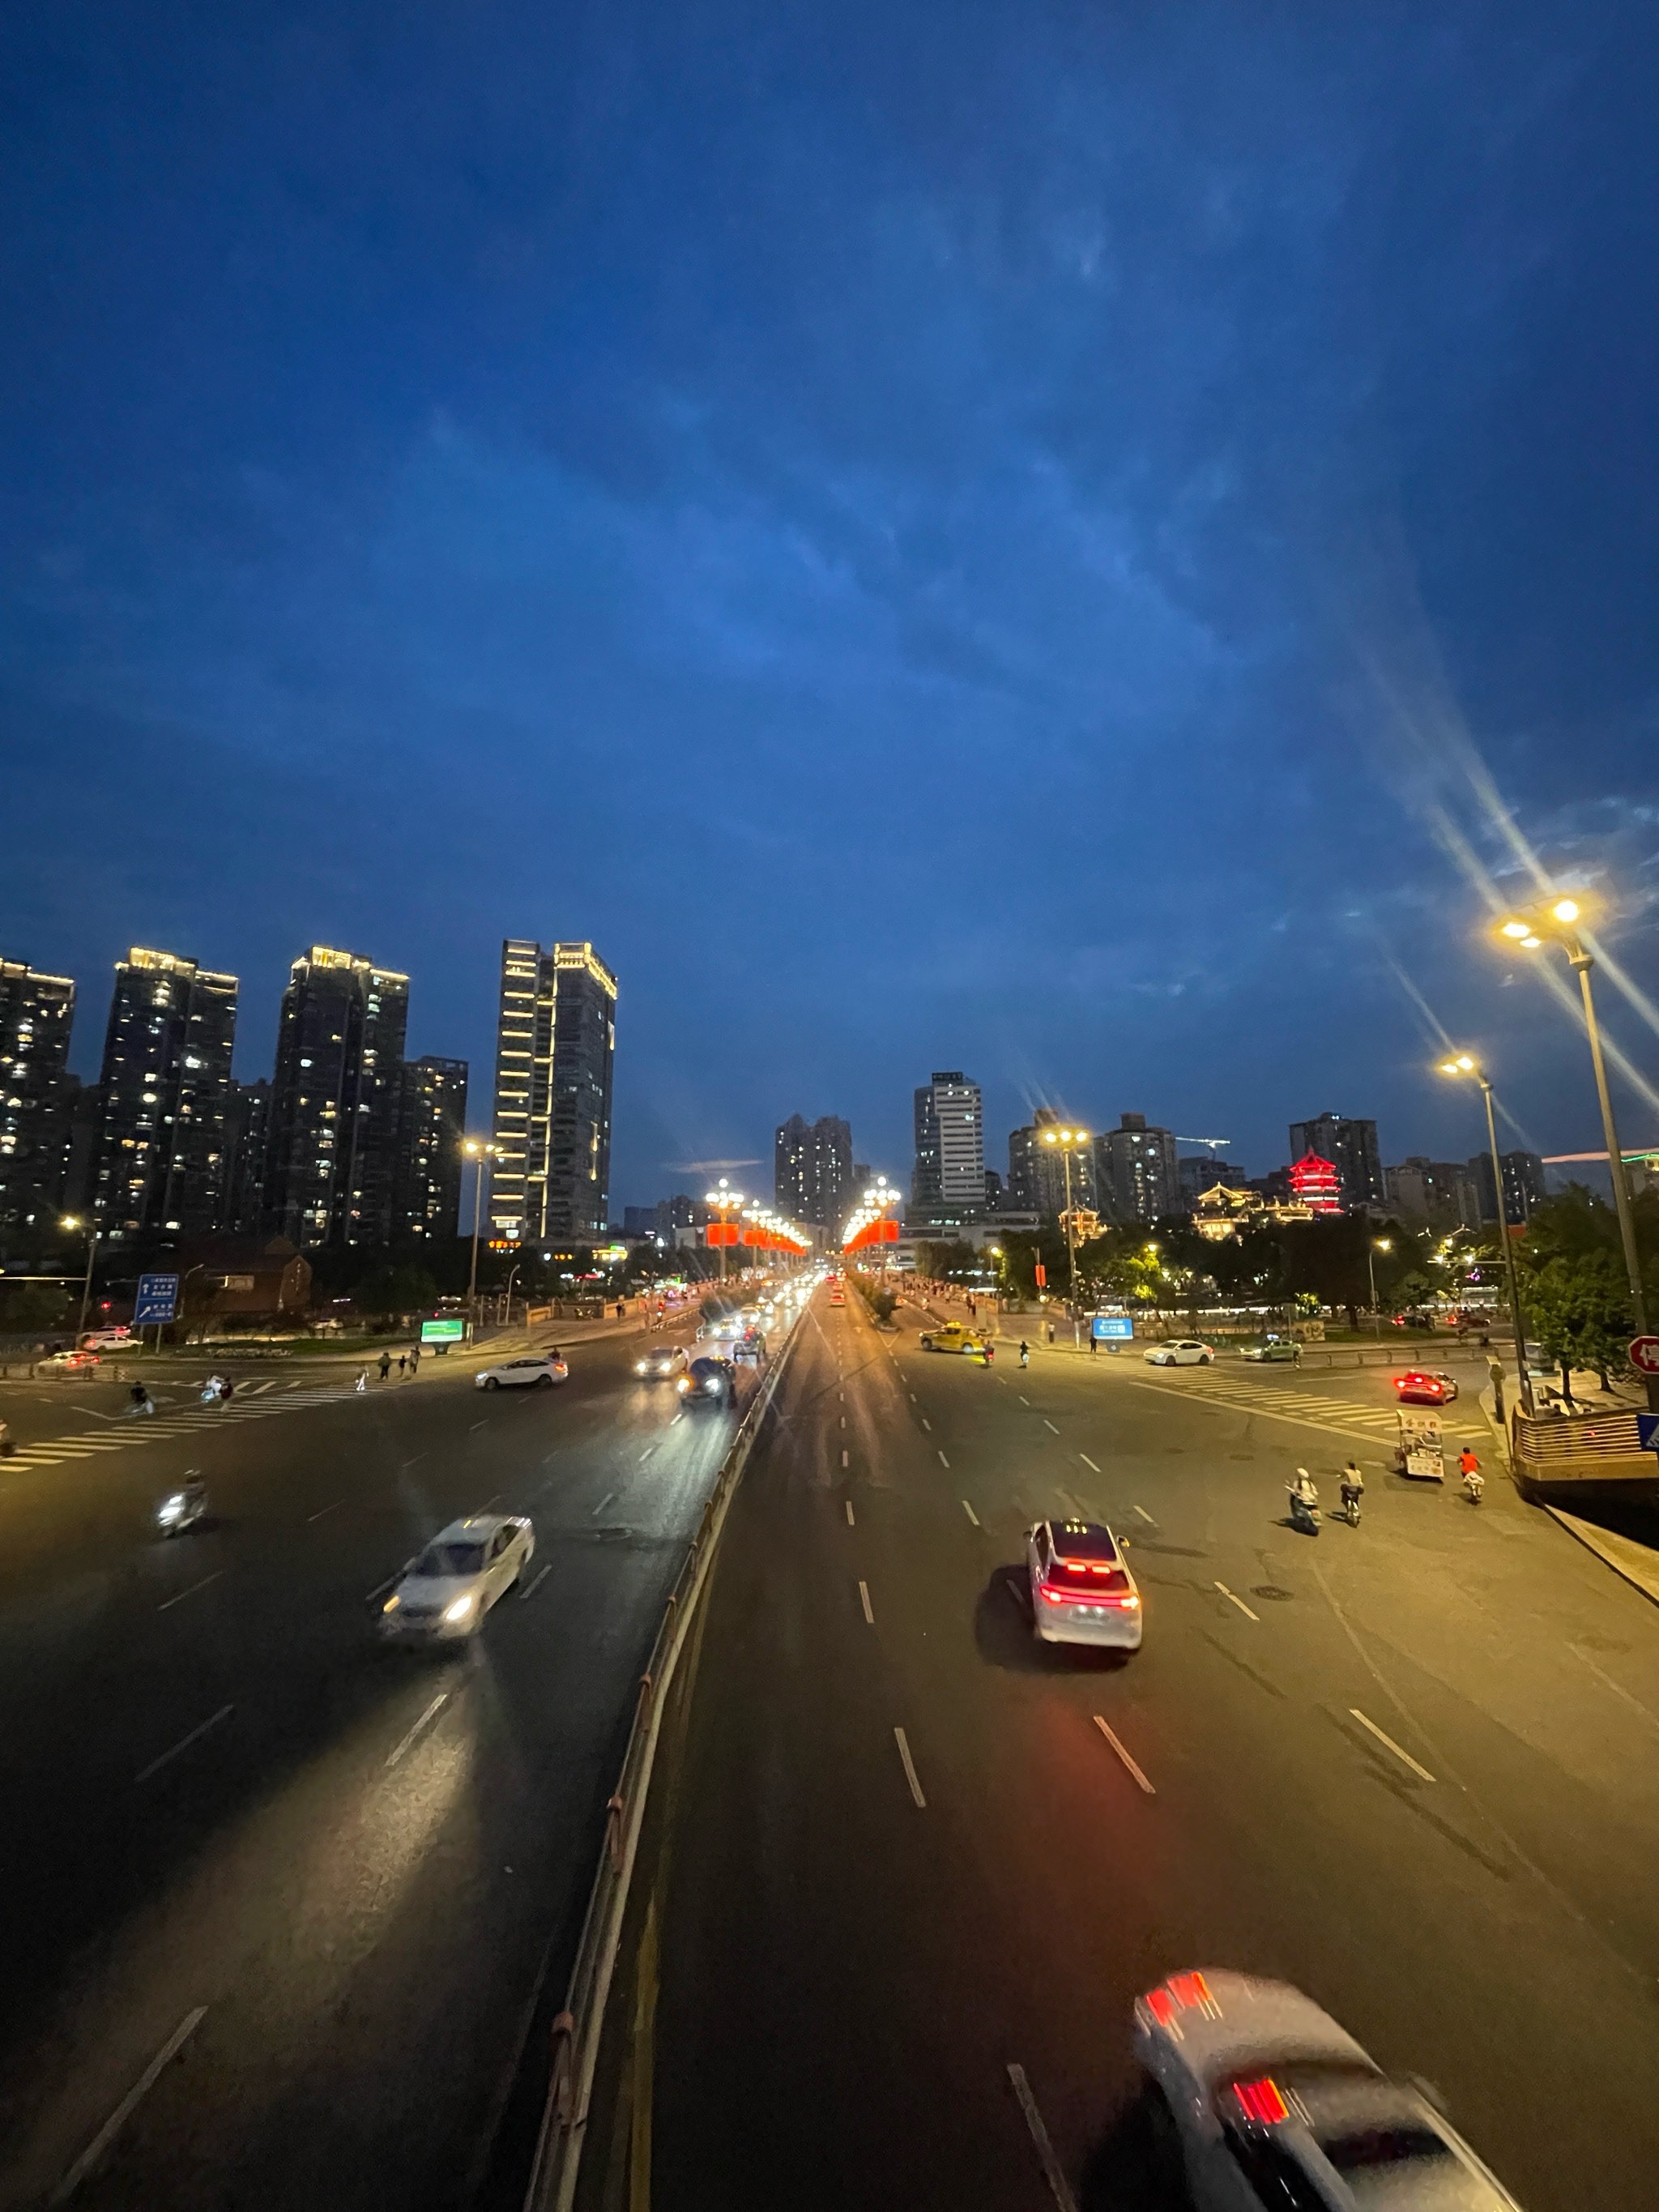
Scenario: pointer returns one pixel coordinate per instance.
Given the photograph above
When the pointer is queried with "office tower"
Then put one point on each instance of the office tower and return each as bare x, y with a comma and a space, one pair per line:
1351, 1148
1037, 1171
555, 1044
812, 1171
431, 1123
247, 1126
948, 1182
331, 1149
1138, 1171
1523, 1187
35, 1014
161, 1162
1441, 1193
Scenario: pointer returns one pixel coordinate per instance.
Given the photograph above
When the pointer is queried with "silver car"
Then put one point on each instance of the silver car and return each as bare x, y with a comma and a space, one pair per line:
467, 1568
1274, 2105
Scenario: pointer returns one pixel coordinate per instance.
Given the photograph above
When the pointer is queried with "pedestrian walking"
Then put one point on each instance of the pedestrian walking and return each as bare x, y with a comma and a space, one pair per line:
1051, 1332
1094, 1343
363, 1378
413, 1358
385, 1366
402, 1363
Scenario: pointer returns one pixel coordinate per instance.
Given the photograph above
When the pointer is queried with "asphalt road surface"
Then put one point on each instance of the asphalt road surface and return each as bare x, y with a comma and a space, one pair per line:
326, 1873
1410, 1767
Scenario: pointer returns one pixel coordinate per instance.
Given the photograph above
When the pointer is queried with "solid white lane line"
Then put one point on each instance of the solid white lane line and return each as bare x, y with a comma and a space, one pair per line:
1060, 2188
644, 1455
534, 1582
1146, 1516
321, 1509
1118, 1748
1238, 1601
864, 1600
179, 1597
850, 1523
1049, 1426
128, 2104
845, 1460
904, 1743
943, 1461
602, 1502
184, 1743
1383, 1737
972, 1516
430, 1714
1089, 1463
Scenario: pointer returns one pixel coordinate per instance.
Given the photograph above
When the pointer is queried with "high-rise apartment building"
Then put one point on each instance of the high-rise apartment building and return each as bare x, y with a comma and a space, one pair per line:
1439, 1194
35, 1014
812, 1171
161, 1160
1036, 1170
1138, 1171
555, 1044
431, 1123
1202, 1171
947, 1184
330, 1151
1350, 1146
1523, 1186
247, 1126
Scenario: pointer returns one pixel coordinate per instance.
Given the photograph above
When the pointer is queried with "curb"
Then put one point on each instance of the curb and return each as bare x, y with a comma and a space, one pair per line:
1635, 1570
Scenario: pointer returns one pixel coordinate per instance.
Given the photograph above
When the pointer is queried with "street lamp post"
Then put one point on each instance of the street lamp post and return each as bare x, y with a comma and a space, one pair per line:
725, 1202
74, 1221
1375, 1245
1463, 1064
1068, 1141
478, 1151
1559, 920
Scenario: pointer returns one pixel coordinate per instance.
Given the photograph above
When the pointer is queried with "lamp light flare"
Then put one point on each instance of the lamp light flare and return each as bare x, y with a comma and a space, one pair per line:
1565, 909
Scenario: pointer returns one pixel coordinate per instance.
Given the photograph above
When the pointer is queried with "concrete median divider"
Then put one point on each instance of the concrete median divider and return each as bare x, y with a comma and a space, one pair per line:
578, 2027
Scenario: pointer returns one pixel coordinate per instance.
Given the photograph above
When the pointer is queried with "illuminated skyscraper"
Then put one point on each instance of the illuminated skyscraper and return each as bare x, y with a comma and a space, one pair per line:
555, 1043
431, 1123
947, 1184
330, 1150
35, 1013
162, 1155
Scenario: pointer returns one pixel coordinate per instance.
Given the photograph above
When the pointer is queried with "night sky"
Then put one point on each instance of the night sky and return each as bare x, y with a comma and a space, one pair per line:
1084, 543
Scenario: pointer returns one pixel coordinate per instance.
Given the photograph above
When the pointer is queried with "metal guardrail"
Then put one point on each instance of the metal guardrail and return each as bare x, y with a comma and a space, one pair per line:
579, 2026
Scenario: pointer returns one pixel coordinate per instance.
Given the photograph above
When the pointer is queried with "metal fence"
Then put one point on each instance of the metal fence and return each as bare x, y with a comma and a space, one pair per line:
578, 2028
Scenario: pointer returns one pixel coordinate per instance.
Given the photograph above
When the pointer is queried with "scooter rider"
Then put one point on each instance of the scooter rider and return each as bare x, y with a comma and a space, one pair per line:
1304, 1495
1474, 1482
1025, 1353
1353, 1489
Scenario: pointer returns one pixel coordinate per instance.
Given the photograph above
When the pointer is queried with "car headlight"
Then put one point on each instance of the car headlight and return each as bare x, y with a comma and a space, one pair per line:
392, 1603
461, 1607
642, 1367
682, 1384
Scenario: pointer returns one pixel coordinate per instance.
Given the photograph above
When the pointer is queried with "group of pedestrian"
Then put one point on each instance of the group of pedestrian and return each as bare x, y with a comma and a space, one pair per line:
409, 1363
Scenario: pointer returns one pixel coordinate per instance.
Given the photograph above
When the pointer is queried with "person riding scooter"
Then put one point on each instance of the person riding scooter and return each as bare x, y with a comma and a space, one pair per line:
1353, 1489
1304, 1495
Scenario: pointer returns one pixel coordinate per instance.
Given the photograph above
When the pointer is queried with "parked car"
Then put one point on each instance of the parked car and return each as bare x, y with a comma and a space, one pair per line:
1186, 1351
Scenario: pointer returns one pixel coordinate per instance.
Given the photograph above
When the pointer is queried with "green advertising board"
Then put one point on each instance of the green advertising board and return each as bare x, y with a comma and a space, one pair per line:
448, 1331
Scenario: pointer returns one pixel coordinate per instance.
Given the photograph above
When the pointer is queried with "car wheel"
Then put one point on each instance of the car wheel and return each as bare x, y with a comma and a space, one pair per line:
544, 1381
1205, 1360
492, 1382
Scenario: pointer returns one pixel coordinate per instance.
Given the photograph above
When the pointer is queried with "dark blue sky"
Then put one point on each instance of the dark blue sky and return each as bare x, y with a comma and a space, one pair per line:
1008, 537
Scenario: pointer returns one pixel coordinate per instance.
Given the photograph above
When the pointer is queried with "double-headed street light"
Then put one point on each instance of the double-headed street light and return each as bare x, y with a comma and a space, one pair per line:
1463, 1063
725, 1202
1065, 1142
1375, 1245
1558, 922
75, 1221
479, 1150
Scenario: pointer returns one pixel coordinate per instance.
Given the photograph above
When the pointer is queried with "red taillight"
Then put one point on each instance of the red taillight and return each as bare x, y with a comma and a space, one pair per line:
1260, 2102
1085, 1597
1190, 1990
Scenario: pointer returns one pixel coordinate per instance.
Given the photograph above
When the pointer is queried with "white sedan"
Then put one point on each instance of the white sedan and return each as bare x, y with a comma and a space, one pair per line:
1186, 1351
1274, 2103
465, 1569
540, 1372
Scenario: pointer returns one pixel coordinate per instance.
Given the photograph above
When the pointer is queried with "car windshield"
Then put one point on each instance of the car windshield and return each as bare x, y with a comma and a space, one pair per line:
438, 1562
705, 1369
1084, 1539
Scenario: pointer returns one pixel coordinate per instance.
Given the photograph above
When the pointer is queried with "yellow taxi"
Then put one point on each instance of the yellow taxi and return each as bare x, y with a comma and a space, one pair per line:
951, 1336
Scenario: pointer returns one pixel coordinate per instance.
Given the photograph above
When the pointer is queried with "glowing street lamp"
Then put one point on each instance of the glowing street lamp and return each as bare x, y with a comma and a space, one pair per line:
725, 1201
1558, 922
1376, 1244
479, 1150
1463, 1064
75, 1221
1065, 1142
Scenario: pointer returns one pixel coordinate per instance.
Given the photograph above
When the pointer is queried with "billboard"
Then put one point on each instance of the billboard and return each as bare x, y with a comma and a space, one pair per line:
1111, 1327
452, 1329
157, 1299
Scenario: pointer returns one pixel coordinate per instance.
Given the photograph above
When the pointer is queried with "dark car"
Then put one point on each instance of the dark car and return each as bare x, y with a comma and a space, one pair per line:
707, 1383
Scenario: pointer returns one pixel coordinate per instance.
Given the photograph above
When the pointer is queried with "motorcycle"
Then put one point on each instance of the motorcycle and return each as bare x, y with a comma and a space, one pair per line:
1475, 1486
182, 1509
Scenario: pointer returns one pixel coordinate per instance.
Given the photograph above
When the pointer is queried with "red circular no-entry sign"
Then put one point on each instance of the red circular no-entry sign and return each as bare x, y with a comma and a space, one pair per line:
1644, 1354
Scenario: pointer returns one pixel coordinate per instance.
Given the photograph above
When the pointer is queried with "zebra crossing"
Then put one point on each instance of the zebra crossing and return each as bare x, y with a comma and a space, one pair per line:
253, 1401
1310, 1409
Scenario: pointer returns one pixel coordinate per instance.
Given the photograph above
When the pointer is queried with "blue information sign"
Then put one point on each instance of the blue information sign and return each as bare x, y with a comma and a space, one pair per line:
157, 1299
1647, 1431
1108, 1326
